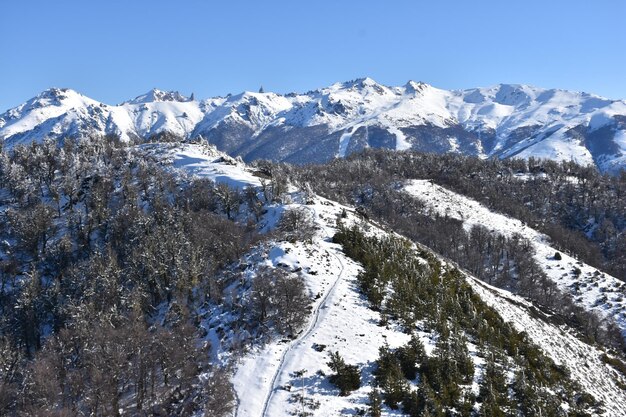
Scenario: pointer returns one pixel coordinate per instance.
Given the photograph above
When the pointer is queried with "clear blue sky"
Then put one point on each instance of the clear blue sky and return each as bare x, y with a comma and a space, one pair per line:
114, 50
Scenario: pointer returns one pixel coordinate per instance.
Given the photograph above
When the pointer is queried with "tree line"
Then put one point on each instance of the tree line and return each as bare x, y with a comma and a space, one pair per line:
583, 211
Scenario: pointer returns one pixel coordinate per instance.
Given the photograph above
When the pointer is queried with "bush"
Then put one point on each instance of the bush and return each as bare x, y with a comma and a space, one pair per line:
375, 403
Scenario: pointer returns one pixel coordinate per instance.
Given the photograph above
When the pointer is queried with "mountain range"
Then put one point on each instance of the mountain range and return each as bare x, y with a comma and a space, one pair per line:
506, 120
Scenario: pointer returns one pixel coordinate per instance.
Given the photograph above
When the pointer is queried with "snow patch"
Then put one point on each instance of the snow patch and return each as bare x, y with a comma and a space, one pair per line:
344, 141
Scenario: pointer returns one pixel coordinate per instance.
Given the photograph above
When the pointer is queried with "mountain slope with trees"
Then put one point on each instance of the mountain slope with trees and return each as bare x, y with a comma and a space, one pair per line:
172, 279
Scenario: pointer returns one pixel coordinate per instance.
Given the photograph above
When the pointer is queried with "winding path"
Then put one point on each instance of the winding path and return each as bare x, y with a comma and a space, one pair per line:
308, 331
304, 335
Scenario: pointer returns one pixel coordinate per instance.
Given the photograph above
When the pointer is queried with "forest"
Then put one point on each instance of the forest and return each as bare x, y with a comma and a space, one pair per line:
113, 272
437, 299
583, 211
110, 270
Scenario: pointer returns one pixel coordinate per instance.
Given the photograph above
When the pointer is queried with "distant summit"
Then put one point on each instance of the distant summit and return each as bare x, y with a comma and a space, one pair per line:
156, 95
505, 120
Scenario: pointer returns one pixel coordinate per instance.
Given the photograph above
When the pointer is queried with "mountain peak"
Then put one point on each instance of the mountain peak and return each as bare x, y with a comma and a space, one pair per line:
55, 95
515, 120
514, 94
367, 82
56, 92
156, 95
359, 83
413, 87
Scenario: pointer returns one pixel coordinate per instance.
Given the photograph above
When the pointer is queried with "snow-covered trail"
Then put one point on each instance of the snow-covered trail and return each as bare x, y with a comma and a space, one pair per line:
592, 289
268, 384
288, 354
341, 321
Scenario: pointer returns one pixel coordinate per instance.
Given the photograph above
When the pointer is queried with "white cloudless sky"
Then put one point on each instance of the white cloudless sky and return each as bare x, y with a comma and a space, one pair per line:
115, 50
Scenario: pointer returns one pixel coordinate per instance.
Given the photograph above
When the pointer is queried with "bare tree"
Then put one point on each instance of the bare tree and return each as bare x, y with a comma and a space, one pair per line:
292, 303
220, 397
262, 293
297, 224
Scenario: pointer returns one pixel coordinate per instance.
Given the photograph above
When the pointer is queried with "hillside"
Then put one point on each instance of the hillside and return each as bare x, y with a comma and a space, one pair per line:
287, 376
591, 288
506, 120
174, 278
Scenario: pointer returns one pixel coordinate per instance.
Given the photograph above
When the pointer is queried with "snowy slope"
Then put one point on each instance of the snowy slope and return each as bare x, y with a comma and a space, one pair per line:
592, 289
504, 120
340, 317
560, 345
266, 378
267, 383
202, 161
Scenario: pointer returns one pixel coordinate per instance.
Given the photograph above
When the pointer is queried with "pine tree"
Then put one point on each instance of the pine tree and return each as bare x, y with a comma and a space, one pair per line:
412, 404
524, 394
389, 377
347, 377
430, 405
375, 403
493, 388
410, 356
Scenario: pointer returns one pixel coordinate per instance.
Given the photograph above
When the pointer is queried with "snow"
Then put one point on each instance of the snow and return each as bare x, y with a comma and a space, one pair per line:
265, 378
557, 147
620, 139
341, 107
592, 289
203, 161
344, 141
158, 95
402, 144
561, 346
151, 118
47, 106
341, 320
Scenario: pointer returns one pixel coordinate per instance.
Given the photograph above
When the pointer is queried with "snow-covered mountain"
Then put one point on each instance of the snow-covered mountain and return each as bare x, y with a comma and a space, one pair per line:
286, 372
505, 120
273, 379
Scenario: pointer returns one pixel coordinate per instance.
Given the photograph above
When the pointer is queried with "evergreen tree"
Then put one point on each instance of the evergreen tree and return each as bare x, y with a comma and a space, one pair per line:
493, 385
411, 356
389, 377
346, 377
375, 403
